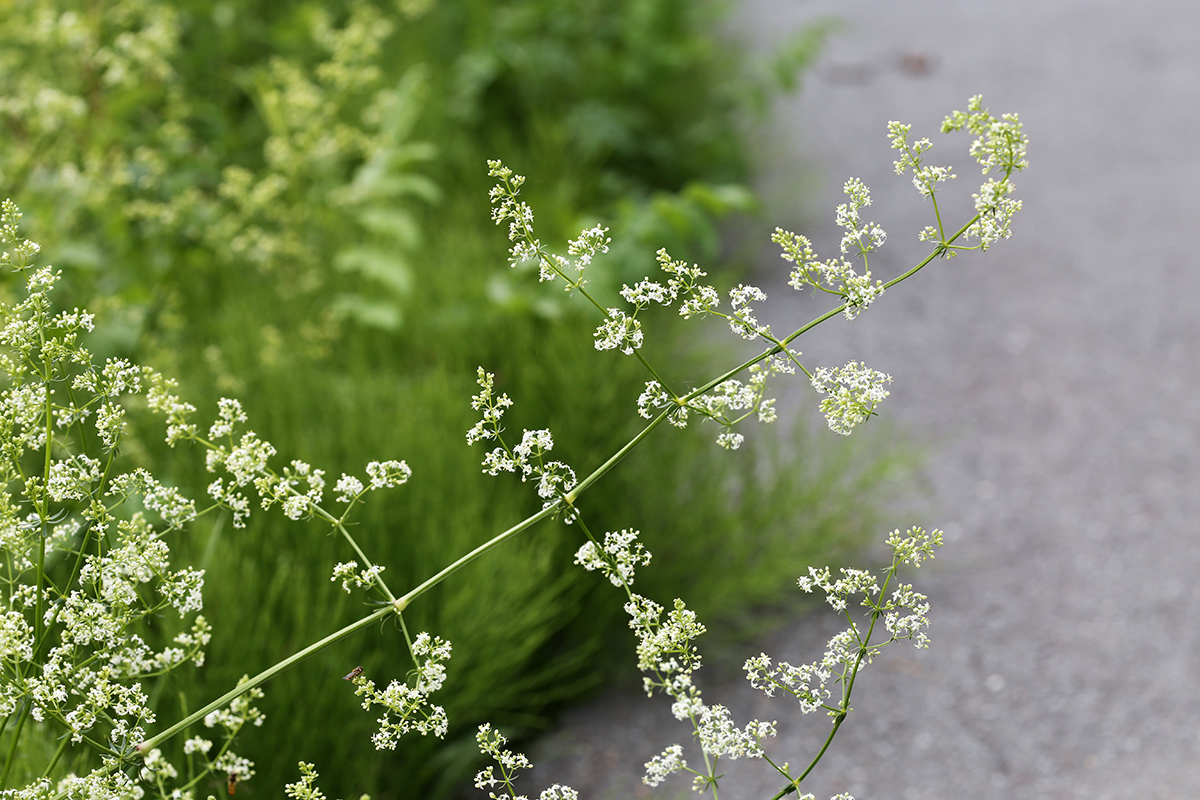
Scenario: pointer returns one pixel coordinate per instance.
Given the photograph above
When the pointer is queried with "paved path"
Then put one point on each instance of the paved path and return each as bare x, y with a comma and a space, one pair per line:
1059, 372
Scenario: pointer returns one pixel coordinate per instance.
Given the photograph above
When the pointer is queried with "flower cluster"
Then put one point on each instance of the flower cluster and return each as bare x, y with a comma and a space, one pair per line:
77, 643
848, 651
305, 788
732, 401
619, 332
554, 478
527, 247
241, 711
298, 491
1001, 146
667, 654
351, 577
925, 178
796, 681
380, 474
914, 547
624, 331
665, 651
155, 770
853, 392
837, 275
406, 703
619, 556
727, 403
491, 743
720, 737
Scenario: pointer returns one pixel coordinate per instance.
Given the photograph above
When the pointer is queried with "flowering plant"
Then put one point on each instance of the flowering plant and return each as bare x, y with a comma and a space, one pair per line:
87, 566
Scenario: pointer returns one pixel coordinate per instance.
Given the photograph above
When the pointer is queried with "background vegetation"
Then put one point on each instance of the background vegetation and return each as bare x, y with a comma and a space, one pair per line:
286, 202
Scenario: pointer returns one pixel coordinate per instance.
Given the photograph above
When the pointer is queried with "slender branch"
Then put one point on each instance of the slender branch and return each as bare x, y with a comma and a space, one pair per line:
12, 750
429, 583
263, 677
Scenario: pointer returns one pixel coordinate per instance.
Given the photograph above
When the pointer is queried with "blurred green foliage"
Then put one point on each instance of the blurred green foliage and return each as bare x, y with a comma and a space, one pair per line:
286, 201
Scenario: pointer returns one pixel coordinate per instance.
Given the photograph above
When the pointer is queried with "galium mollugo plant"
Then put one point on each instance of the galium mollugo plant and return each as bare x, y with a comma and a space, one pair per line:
86, 545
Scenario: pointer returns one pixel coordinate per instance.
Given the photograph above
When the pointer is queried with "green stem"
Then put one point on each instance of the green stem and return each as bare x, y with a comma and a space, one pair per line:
429, 583
263, 677
62, 747
847, 688
600, 471
12, 749
794, 786
337, 523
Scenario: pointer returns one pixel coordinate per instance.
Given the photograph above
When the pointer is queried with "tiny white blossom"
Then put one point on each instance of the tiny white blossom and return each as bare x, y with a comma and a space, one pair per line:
347, 488
720, 737
654, 397
619, 332
388, 474
658, 768
647, 291
493, 408
619, 556
229, 415
406, 703
854, 393
351, 577
197, 745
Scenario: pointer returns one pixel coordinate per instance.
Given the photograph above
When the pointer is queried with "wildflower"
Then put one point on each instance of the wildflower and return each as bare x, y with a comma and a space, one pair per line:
304, 789
658, 768
719, 737
647, 291
619, 332
652, 398
406, 703
347, 488
854, 392
590, 241
743, 321
617, 558
664, 646
915, 547
388, 474
493, 409
349, 574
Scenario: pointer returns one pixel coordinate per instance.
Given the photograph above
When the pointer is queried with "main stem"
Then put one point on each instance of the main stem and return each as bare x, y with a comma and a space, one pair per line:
401, 603
263, 677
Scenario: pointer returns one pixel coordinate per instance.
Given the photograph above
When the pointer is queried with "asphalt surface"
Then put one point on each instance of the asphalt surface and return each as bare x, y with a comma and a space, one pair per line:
1057, 377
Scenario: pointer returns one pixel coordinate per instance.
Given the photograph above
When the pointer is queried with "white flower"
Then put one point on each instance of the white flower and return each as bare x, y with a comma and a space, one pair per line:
350, 576
854, 392
620, 555
619, 332
647, 291
347, 488
407, 708
388, 474
229, 414
662, 765
719, 737
654, 397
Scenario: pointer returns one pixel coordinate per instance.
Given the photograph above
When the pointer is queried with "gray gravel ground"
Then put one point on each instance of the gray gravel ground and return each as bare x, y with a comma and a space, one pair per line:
1058, 373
